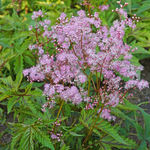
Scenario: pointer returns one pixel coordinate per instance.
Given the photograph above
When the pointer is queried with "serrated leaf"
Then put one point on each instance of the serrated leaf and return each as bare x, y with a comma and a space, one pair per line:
5, 95
26, 142
107, 128
144, 7
7, 81
75, 134
146, 117
37, 92
28, 88
141, 53
15, 139
29, 60
128, 106
129, 5
18, 79
143, 146
24, 46
18, 64
11, 102
67, 110
43, 139
64, 147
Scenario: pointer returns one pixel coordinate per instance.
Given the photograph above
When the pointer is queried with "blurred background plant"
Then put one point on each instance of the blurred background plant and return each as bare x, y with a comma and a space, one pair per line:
22, 101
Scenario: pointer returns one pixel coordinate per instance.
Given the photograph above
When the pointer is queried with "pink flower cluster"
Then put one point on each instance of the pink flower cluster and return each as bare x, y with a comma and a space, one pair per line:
49, 105
37, 14
58, 135
80, 48
103, 7
106, 115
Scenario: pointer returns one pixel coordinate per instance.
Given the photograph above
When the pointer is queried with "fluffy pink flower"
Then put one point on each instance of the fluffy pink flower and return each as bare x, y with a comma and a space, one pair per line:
82, 78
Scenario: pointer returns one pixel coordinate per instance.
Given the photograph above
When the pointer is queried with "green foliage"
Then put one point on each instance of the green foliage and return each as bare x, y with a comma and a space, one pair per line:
142, 131
106, 133
28, 136
30, 128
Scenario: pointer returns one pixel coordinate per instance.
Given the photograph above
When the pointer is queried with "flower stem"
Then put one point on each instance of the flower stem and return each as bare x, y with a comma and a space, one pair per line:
89, 84
60, 109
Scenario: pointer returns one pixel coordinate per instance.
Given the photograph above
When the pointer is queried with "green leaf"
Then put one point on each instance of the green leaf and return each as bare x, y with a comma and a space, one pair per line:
122, 115
107, 128
11, 102
129, 5
16, 137
146, 117
127, 106
28, 88
24, 46
5, 95
8, 81
75, 134
143, 146
18, 79
29, 60
36, 93
144, 7
18, 64
43, 139
112, 143
141, 53
67, 3
105, 147
26, 142
64, 147
67, 110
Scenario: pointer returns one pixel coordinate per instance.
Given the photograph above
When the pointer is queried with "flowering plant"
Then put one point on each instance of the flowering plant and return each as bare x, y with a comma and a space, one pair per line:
89, 72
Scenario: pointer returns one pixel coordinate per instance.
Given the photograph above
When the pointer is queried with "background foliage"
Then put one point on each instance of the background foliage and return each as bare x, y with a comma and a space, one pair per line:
22, 101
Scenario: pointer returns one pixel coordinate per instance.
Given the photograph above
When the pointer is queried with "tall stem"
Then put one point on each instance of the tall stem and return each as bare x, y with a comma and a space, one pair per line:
97, 80
89, 84
60, 109
92, 127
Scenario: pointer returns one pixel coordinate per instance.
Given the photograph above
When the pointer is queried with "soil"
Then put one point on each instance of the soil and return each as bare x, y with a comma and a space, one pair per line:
144, 95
